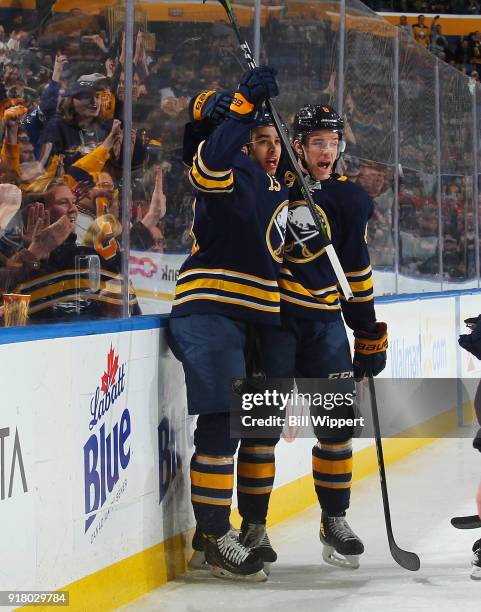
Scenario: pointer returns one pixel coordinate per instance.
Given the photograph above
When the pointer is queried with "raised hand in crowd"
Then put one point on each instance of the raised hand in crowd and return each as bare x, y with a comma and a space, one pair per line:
109, 67
113, 142
37, 219
158, 201
60, 62
12, 118
140, 56
47, 237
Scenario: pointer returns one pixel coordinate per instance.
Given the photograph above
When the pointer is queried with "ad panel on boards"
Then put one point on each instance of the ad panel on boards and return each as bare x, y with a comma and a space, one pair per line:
469, 307
154, 276
17, 479
97, 466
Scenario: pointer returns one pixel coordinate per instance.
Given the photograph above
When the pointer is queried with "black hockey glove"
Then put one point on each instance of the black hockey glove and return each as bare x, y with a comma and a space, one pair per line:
212, 105
255, 86
472, 342
370, 351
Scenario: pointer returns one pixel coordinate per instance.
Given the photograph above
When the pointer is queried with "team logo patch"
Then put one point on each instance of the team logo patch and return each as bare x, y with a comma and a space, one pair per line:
276, 232
302, 242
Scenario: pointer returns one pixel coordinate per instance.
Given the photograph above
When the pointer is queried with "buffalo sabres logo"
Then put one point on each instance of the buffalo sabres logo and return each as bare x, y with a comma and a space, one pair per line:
302, 244
276, 232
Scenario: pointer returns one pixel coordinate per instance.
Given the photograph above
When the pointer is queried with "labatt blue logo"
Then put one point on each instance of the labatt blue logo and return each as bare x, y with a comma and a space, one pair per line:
105, 452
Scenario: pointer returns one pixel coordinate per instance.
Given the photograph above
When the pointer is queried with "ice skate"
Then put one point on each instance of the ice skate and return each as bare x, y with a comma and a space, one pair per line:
230, 560
197, 561
476, 561
342, 546
254, 536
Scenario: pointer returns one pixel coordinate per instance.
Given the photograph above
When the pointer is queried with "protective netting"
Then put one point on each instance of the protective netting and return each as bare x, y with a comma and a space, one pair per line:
412, 127
418, 211
302, 42
456, 97
368, 84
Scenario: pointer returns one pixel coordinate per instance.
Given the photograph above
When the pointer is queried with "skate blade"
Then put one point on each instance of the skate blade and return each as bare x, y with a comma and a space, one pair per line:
267, 568
198, 561
219, 572
331, 557
476, 573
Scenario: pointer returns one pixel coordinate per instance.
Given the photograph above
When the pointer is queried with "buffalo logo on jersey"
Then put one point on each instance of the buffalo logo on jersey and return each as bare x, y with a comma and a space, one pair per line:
302, 243
276, 232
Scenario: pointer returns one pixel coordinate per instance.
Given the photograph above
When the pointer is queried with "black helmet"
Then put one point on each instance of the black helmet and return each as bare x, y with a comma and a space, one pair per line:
316, 117
262, 117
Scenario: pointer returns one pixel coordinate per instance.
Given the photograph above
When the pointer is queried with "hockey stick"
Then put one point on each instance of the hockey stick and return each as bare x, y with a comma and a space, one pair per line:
404, 558
326, 243
466, 522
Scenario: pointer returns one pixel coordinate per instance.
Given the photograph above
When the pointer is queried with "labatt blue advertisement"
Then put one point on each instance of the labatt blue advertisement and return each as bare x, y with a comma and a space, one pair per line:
106, 453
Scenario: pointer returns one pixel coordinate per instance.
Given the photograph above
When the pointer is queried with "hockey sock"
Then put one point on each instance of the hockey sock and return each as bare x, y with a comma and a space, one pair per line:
255, 478
212, 481
332, 473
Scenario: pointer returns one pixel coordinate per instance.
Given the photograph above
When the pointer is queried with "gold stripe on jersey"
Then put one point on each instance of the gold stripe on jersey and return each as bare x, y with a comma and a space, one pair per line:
228, 273
228, 286
300, 302
361, 285
210, 185
366, 298
227, 300
355, 273
295, 287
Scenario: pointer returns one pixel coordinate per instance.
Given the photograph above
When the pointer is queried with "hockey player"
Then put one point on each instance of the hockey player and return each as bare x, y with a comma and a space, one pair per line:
472, 343
312, 341
228, 283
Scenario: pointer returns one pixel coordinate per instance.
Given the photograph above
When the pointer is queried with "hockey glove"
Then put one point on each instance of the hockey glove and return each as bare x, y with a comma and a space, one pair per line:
212, 105
255, 86
370, 351
472, 342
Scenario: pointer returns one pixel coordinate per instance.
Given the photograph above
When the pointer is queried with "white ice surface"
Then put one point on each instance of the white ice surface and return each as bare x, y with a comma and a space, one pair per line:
426, 490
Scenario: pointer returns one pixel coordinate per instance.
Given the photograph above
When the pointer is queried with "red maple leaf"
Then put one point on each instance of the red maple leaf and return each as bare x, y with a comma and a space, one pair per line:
108, 377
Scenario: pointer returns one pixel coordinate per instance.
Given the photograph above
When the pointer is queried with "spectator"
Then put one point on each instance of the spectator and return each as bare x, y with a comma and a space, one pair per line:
421, 32
475, 48
404, 26
78, 127
473, 7
462, 55
439, 43
65, 270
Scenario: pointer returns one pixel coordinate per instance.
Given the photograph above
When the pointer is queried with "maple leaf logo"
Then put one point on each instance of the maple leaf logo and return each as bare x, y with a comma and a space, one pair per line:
108, 377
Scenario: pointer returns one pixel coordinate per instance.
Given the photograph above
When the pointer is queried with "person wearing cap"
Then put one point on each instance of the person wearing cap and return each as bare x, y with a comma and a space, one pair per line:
78, 127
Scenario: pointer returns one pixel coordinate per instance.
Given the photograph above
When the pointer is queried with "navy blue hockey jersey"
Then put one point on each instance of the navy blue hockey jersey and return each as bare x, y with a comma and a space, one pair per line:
308, 284
238, 232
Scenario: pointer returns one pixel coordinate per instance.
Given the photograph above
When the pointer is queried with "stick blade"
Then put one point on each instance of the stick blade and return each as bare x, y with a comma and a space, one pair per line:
466, 522
404, 558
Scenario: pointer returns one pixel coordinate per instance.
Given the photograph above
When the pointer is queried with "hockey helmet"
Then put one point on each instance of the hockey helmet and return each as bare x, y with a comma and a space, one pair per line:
262, 118
318, 117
